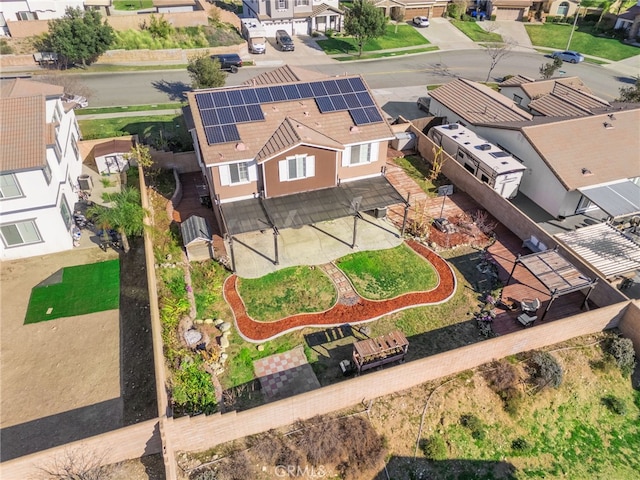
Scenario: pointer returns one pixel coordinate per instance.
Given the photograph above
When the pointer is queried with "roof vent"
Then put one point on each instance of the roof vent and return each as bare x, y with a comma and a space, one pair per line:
467, 143
241, 147
484, 147
452, 126
586, 172
306, 114
611, 116
607, 125
354, 129
274, 108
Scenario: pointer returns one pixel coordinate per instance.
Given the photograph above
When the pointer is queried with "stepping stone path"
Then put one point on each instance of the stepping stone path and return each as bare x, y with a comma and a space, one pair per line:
346, 293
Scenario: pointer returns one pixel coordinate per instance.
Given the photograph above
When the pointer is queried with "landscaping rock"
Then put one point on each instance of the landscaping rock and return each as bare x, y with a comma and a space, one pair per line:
224, 326
218, 321
198, 321
223, 357
208, 321
260, 348
224, 342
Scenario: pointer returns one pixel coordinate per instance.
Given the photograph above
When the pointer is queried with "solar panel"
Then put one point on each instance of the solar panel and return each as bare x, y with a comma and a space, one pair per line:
235, 97
240, 113
359, 116
264, 95
305, 90
204, 100
278, 94
220, 99
352, 100
214, 135
344, 86
325, 104
209, 117
338, 102
249, 96
225, 115
230, 133
255, 113
318, 89
332, 87
357, 84
365, 99
373, 114
291, 91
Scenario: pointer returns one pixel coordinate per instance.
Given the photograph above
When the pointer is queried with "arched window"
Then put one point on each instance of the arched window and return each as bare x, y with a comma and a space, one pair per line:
563, 9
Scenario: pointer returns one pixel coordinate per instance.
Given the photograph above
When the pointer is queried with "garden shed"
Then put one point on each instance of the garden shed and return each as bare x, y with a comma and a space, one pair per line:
197, 238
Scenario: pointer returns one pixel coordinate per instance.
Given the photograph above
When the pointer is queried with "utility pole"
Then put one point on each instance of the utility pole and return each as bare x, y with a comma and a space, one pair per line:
575, 21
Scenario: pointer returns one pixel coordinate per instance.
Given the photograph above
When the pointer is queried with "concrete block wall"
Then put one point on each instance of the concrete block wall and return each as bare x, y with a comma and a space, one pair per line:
630, 325
202, 432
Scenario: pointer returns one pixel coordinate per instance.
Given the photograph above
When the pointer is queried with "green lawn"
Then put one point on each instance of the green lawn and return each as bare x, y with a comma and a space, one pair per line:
388, 273
407, 36
159, 131
584, 41
395, 53
129, 108
132, 4
79, 290
287, 292
475, 32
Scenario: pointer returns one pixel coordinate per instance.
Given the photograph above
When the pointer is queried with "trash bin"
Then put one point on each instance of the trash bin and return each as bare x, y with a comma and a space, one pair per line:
85, 182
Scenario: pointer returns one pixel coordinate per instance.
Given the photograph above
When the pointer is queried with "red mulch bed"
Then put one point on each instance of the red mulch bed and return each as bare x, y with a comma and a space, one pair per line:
362, 311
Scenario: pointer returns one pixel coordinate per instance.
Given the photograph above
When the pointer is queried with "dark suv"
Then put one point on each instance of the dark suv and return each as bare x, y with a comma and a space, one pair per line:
228, 61
284, 41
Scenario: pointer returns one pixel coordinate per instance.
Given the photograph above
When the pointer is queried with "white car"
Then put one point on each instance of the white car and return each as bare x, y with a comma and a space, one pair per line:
421, 21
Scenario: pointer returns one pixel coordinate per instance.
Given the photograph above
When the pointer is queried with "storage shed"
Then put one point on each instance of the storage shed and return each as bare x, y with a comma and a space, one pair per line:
197, 238
375, 352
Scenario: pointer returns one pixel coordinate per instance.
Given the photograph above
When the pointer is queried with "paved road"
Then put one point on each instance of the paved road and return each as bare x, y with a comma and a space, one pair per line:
139, 88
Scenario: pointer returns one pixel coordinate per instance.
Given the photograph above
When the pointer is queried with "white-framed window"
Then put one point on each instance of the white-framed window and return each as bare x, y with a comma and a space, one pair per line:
282, 4
517, 99
238, 173
563, 9
20, 233
9, 186
46, 171
299, 3
297, 167
74, 145
23, 16
360, 154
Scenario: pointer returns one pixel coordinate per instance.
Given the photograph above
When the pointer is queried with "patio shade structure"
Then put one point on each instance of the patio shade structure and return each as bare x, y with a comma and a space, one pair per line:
615, 199
309, 208
556, 273
374, 352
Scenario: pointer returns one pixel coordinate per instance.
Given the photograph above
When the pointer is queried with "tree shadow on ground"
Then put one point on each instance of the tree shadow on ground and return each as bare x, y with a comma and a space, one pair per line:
176, 91
454, 469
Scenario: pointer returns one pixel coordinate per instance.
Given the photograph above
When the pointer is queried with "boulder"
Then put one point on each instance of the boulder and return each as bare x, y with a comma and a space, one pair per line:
218, 321
224, 326
224, 342
208, 321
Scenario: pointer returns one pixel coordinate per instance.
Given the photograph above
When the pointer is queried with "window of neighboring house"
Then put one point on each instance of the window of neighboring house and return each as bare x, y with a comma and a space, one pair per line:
58, 151
360, 154
300, 3
65, 211
282, 4
25, 16
74, 145
237, 173
297, 167
563, 9
21, 233
517, 99
47, 173
9, 186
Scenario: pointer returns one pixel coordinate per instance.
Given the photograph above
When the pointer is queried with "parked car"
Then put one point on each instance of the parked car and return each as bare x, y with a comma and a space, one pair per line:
284, 41
568, 56
421, 21
228, 61
423, 103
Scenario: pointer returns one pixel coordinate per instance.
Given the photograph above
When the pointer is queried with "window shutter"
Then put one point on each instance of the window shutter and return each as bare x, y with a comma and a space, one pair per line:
283, 166
374, 152
225, 178
311, 166
346, 157
252, 169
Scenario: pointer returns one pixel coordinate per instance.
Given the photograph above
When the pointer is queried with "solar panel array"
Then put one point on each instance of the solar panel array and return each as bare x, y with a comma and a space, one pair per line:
220, 111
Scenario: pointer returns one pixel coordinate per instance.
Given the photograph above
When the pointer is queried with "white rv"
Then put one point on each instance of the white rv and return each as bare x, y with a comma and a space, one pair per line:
485, 161
255, 34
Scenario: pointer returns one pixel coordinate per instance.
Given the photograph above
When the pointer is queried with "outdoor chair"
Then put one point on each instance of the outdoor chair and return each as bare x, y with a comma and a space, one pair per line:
529, 305
527, 320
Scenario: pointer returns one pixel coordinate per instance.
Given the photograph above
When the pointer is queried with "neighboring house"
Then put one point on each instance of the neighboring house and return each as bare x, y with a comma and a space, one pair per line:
39, 167
296, 17
630, 22
291, 148
413, 8
575, 162
509, 9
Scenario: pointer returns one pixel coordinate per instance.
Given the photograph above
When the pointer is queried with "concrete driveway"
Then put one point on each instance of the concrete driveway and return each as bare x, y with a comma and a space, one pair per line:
307, 52
441, 33
310, 245
512, 32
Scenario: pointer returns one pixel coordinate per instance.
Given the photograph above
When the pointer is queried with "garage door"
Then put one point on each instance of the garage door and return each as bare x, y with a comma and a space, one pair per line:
509, 13
300, 27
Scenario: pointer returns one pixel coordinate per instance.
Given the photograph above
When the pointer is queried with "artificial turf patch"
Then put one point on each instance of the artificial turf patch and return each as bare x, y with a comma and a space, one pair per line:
83, 289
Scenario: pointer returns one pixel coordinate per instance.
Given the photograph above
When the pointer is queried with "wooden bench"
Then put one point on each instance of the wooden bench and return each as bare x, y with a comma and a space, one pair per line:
533, 244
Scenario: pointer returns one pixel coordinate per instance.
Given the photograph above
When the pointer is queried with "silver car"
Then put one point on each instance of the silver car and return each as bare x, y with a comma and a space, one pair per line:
421, 21
568, 56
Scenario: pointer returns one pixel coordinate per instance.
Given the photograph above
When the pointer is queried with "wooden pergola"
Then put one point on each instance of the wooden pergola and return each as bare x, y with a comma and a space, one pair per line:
556, 273
374, 352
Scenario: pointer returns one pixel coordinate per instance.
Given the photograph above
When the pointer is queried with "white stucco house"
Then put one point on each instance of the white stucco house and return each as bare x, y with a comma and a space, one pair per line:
39, 167
296, 17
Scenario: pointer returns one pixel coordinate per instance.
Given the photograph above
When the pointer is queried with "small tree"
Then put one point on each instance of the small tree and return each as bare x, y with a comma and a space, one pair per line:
205, 72
545, 370
78, 37
397, 15
141, 155
497, 52
159, 27
547, 70
364, 21
621, 349
75, 464
437, 164
630, 94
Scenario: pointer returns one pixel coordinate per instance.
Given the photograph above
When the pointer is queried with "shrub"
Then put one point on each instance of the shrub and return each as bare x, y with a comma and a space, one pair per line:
5, 48
512, 399
621, 349
614, 404
435, 448
520, 445
492, 18
474, 424
159, 27
545, 370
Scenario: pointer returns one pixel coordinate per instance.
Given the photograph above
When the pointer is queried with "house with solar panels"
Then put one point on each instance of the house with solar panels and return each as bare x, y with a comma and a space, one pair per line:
290, 149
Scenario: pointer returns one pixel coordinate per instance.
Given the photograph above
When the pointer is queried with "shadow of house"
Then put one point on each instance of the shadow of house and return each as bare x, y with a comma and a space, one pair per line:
455, 468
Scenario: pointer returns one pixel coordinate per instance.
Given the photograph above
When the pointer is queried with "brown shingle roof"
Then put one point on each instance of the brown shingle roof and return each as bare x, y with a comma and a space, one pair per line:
477, 103
515, 81
607, 145
538, 88
565, 101
21, 87
22, 133
285, 74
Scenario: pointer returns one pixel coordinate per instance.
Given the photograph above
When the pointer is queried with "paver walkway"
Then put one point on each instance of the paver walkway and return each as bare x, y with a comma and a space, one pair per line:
361, 311
346, 293
285, 374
